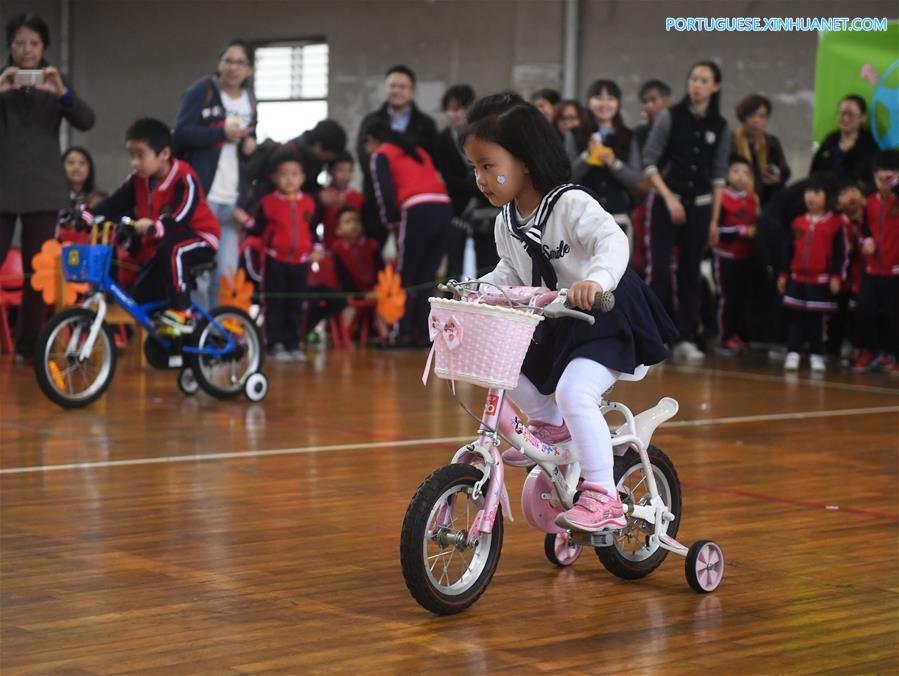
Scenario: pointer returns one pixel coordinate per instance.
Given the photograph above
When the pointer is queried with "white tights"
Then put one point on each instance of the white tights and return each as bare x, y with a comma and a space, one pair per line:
578, 394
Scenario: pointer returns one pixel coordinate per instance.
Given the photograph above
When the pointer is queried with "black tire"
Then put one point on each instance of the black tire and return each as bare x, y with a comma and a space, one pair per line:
711, 583
625, 559
205, 333
75, 317
414, 544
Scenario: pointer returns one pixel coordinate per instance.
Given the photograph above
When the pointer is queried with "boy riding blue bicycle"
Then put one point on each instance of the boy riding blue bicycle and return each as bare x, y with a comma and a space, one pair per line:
178, 230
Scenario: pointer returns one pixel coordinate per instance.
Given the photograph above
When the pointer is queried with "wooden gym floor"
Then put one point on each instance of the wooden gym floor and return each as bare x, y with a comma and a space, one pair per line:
157, 534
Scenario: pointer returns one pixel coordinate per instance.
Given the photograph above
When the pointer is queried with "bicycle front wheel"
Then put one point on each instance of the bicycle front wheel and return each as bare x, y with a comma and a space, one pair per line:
443, 572
63, 376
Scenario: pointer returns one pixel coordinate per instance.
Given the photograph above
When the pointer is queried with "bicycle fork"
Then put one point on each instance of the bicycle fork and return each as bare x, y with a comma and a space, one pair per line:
498, 422
99, 303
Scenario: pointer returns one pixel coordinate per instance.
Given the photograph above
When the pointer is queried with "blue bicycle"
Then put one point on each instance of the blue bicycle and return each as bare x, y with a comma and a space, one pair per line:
75, 356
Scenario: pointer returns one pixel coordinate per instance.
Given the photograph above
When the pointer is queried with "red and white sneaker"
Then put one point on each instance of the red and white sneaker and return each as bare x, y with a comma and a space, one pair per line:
730, 347
884, 364
863, 361
595, 510
548, 434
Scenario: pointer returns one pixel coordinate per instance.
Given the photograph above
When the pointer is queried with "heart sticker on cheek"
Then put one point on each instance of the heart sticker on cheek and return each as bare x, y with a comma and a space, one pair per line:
501, 179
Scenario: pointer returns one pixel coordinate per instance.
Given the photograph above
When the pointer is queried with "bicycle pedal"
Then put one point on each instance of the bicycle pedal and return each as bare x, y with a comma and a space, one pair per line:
601, 539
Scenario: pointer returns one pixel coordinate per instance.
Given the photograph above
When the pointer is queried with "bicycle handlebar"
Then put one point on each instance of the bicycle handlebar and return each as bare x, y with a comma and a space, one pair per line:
556, 304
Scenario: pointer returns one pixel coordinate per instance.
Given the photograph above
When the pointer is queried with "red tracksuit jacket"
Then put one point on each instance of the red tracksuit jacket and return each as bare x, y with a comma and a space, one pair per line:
739, 211
816, 252
285, 223
882, 227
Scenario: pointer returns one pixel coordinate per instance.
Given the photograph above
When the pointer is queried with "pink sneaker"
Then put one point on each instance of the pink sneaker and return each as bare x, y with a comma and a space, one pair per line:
732, 346
548, 434
594, 511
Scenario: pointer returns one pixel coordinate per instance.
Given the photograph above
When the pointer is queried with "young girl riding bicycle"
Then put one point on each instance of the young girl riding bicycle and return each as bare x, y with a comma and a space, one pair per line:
555, 234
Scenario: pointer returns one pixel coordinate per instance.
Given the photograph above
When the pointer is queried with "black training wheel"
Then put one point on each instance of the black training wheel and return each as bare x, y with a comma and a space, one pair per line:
704, 566
187, 383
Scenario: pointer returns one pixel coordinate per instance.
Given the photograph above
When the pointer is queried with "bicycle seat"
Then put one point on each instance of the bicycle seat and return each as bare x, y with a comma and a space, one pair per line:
194, 271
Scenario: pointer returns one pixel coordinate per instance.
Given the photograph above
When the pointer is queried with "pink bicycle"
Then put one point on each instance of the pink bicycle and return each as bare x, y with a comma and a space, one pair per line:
453, 529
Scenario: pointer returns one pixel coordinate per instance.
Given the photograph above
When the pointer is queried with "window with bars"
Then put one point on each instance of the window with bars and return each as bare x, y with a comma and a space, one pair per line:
291, 87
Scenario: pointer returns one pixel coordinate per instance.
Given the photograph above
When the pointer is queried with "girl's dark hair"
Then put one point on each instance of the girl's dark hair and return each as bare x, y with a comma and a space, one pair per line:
245, 46
826, 184
621, 139
516, 125
462, 94
715, 102
346, 209
581, 133
248, 50
749, 104
887, 160
380, 131
88, 187
31, 21
859, 101
550, 95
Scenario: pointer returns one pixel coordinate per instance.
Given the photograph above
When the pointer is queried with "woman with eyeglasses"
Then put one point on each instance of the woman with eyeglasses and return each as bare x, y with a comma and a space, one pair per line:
849, 151
215, 129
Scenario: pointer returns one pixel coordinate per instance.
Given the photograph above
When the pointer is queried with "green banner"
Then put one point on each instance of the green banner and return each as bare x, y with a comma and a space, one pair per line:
863, 63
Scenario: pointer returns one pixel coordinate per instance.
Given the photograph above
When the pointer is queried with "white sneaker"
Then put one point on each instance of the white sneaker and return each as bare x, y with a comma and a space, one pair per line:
688, 351
298, 356
791, 363
817, 363
278, 353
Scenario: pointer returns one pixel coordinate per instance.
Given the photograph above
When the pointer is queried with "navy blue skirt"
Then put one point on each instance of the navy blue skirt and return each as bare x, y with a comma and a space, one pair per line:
809, 297
634, 332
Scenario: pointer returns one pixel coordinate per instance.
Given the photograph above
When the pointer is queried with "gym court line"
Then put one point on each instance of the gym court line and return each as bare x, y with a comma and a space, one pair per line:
205, 457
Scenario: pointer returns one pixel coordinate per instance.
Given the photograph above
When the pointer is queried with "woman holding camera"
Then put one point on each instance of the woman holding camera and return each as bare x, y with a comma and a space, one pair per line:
34, 99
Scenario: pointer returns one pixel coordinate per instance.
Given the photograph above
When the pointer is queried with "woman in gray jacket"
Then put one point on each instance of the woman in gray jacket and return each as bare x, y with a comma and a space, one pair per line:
33, 186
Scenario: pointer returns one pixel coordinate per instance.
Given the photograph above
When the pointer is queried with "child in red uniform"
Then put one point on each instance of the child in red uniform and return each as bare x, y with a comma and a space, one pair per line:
284, 220
414, 204
878, 302
358, 257
338, 194
733, 254
843, 325
178, 230
814, 270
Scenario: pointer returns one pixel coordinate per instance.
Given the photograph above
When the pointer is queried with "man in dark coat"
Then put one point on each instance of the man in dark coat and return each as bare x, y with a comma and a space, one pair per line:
401, 113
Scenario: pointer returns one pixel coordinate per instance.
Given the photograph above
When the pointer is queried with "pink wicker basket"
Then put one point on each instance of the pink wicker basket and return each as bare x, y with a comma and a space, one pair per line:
480, 344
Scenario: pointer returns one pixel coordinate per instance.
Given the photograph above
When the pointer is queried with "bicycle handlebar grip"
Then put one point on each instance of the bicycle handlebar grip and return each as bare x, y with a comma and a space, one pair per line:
605, 301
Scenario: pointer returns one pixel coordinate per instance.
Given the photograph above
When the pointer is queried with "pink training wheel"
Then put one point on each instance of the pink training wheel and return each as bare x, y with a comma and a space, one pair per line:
704, 566
559, 551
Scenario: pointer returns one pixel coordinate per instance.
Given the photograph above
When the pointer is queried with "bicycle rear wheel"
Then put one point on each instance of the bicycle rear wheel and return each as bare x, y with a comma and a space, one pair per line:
224, 376
632, 555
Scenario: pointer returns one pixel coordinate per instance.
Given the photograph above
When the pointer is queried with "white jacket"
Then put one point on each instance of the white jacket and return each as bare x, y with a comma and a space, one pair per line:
581, 239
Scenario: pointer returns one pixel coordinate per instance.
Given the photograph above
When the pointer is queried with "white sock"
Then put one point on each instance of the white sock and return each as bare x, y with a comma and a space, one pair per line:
578, 395
533, 404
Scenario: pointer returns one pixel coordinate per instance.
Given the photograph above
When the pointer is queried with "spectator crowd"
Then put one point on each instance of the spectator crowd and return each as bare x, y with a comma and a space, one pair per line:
742, 253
